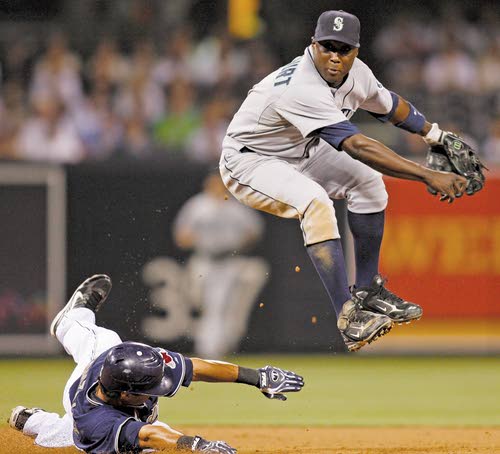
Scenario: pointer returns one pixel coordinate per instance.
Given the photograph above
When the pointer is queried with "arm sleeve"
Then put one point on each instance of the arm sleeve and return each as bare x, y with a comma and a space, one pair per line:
384, 118
309, 108
106, 429
185, 218
378, 98
337, 133
128, 436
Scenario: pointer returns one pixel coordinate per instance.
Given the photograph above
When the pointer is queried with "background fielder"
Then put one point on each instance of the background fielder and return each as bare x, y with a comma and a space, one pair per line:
111, 397
220, 280
283, 153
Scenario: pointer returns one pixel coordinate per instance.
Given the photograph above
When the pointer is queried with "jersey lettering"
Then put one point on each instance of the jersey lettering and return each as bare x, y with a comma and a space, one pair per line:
287, 71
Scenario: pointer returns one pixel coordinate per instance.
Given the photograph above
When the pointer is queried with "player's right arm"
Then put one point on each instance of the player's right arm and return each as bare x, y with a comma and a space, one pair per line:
381, 158
157, 437
161, 437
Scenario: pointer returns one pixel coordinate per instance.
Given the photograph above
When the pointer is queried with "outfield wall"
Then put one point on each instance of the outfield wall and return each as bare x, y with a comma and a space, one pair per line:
119, 218
445, 256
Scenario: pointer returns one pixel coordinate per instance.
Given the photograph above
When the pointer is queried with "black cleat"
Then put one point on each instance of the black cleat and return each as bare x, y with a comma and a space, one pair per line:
378, 299
359, 327
20, 415
90, 294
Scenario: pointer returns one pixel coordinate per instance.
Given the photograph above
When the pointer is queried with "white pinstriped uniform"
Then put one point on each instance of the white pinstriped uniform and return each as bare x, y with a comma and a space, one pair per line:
290, 173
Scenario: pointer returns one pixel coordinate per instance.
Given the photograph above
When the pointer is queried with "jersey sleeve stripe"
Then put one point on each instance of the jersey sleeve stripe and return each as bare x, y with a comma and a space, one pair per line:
337, 133
118, 432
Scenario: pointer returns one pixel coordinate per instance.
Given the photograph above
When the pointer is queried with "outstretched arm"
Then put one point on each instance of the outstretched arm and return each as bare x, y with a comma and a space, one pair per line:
448, 152
383, 159
271, 381
162, 437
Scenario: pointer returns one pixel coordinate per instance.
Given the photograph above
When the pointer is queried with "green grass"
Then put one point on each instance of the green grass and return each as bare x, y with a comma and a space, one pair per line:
360, 391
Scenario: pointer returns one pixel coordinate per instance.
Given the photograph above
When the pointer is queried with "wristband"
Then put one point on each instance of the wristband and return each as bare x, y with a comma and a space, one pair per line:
434, 136
414, 122
248, 376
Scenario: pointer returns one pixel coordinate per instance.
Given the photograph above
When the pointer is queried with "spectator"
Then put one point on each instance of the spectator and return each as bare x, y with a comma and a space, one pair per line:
489, 69
49, 134
450, 70
491, 146
141, 95
98, 127
175, 63
57, 73
218, 61
182, 119
107, 68
12, 116
137, 141
205, 143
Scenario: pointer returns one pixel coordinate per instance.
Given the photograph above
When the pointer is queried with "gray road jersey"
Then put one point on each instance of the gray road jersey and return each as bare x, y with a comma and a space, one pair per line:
282, 110
218, 226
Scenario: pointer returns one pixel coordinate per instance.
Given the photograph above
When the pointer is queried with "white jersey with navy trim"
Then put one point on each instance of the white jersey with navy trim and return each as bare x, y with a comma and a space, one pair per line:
282, 110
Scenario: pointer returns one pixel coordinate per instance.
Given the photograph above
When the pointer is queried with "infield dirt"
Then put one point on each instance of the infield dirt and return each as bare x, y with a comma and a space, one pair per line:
321, 440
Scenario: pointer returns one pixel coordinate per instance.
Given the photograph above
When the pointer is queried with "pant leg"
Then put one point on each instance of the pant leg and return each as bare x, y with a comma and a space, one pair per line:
343, 177
50, 430
251, 275
229, 293
210, 334
84, 341
274, 185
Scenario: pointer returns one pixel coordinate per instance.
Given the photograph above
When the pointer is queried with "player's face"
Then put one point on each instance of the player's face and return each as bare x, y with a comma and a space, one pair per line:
132, 399
333, 59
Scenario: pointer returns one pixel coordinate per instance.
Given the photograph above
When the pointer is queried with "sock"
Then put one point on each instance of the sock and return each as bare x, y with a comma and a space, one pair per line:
367, 230
328, 259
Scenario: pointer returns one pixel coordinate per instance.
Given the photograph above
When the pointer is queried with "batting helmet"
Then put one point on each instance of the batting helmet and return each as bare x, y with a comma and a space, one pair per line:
137, 369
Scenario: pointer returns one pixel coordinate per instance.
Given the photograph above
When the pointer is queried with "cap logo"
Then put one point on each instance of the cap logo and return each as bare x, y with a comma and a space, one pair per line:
338, 23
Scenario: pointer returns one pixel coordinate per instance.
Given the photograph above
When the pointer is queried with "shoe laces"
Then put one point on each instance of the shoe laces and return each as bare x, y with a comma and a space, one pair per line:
387, 294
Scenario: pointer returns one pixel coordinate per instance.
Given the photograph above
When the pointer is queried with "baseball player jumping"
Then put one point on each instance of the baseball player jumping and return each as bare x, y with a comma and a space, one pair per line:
111, 398
291, 148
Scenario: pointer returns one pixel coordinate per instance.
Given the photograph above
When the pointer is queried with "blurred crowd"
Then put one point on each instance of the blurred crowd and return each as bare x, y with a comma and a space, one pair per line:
161, 98
176, 96
450, 69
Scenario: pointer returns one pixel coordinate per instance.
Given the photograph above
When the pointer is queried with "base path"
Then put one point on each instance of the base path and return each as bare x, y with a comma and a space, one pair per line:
320, 440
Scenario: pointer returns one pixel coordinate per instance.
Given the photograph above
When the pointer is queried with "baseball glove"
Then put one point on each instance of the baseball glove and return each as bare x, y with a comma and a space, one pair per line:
454, 155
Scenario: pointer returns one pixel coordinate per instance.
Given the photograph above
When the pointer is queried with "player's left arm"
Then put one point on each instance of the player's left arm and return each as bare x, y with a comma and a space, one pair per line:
271, 381
448, 152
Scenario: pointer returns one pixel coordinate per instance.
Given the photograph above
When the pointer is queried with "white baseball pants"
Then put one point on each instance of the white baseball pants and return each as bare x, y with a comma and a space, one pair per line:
84, 341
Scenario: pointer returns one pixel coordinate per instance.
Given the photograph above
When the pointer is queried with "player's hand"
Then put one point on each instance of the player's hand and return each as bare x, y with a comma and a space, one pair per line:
448, 185
275, 381
215, 447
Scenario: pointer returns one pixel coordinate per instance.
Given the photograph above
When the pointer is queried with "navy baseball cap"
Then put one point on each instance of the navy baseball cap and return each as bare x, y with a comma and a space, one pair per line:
338, 26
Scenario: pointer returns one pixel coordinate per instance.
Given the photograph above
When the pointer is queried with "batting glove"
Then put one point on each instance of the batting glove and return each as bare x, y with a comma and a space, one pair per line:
275, 381
214, 447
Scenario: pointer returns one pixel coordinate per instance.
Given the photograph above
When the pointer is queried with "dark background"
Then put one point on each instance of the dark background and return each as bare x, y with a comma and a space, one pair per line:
119, 219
